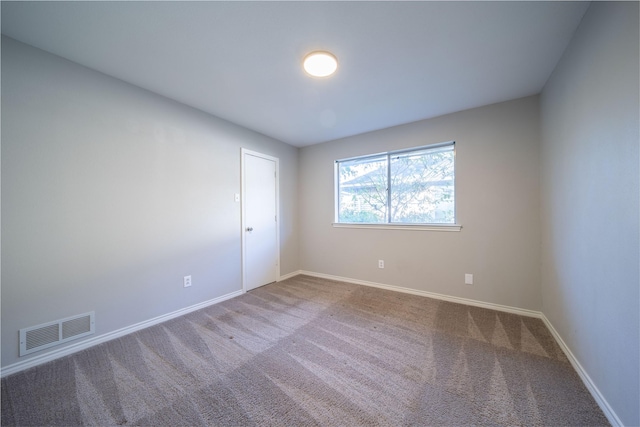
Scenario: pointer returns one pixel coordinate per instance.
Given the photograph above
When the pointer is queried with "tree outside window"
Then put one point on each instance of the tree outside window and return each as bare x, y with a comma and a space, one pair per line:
407, 187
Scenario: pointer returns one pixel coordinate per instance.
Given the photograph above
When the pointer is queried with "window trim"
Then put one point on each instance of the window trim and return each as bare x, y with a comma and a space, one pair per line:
399, 226
391, 225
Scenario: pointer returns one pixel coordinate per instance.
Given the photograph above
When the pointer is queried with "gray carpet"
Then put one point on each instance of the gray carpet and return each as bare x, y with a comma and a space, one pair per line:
308, 351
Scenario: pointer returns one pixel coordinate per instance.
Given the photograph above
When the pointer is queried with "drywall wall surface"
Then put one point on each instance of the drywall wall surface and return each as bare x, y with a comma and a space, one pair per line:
589, 204
497, 204
111, 194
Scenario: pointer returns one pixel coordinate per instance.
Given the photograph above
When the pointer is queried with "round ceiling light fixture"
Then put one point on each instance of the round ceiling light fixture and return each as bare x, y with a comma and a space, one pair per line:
320, 64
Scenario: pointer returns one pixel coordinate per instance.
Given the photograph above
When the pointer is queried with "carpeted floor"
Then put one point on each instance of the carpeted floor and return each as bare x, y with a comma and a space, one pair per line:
308, 351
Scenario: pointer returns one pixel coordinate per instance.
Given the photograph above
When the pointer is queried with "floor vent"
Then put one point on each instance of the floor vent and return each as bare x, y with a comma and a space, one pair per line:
47, 335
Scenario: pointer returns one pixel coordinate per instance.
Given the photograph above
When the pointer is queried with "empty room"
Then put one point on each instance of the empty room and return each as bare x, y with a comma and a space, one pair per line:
332, 213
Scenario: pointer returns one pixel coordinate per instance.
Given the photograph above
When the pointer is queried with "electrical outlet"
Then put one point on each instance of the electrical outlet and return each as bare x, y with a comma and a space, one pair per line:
186, 281
468, 279
380, 263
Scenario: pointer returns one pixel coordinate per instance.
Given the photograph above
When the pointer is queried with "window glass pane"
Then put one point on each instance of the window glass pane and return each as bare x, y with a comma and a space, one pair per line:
363, 190
422, 187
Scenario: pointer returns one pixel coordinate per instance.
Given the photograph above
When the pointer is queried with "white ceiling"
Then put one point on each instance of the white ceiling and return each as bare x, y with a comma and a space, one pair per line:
398, 61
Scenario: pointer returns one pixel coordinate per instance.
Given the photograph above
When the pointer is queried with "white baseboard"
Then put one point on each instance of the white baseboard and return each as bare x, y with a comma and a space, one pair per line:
586, 379
599, 398
289, 275
466, 301
52, 355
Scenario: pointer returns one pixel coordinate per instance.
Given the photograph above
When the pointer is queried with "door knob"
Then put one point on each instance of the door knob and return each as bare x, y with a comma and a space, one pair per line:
249, 228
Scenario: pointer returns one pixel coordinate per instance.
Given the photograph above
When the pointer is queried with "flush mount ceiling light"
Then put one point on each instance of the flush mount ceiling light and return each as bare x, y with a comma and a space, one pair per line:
320, 64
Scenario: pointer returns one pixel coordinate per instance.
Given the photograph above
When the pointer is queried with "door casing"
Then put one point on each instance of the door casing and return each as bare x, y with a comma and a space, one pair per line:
244, 152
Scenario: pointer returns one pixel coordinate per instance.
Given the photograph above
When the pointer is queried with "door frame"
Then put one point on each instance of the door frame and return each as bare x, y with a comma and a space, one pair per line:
244, 152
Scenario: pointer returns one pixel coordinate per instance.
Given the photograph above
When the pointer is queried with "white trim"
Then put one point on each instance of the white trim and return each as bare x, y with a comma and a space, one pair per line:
387, 226
336, 192
586, 379
459, 300
584, 376
400, 151
52, 355
243, 153
388, 155
289, 275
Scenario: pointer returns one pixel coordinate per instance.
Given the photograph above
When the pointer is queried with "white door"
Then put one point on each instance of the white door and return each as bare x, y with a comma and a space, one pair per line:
259, 219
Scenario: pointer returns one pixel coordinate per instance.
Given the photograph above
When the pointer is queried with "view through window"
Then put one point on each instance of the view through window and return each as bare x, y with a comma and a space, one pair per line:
414, 186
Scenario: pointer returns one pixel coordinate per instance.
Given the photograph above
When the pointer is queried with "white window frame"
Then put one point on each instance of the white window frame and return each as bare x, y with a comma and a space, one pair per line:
389, 225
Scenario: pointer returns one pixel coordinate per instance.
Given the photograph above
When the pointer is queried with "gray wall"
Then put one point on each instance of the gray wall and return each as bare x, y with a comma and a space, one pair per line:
590, 213
111, 194
497, 184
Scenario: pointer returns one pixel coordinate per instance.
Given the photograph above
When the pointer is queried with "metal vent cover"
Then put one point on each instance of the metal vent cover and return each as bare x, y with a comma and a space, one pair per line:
49, 334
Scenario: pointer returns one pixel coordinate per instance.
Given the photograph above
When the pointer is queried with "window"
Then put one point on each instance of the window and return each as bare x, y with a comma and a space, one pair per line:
414, 186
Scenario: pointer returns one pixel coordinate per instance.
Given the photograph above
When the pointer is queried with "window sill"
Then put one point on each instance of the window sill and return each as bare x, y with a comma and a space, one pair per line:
419, 227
